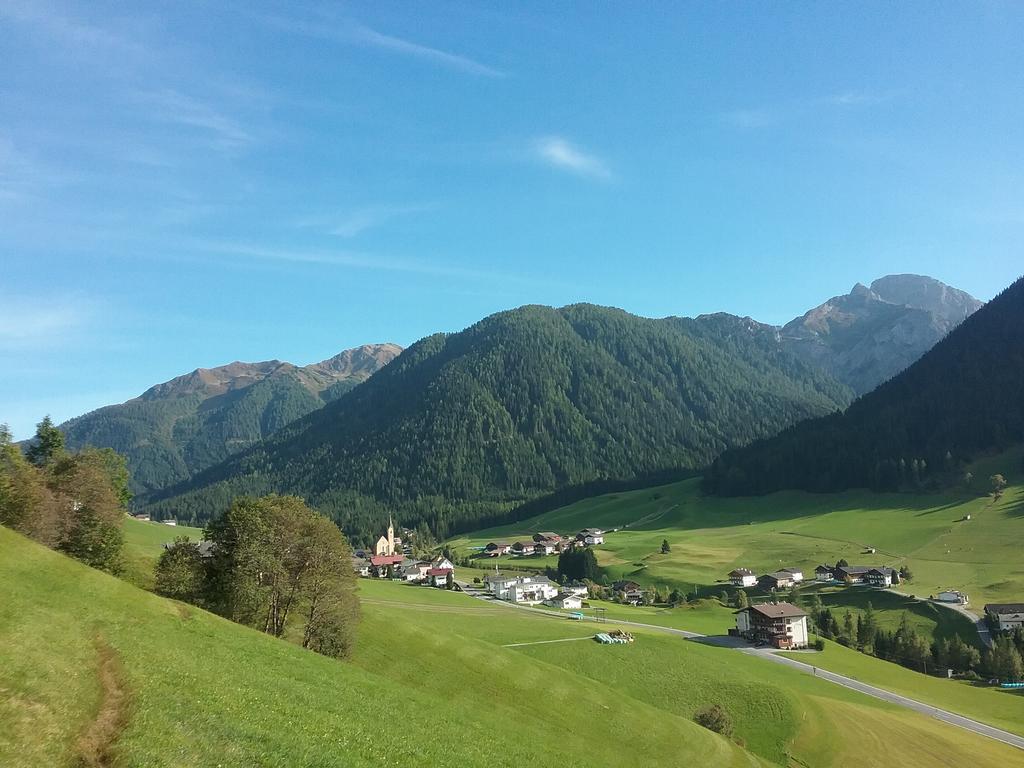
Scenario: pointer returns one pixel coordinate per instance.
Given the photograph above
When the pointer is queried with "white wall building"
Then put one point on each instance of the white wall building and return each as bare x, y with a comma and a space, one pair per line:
1008, 616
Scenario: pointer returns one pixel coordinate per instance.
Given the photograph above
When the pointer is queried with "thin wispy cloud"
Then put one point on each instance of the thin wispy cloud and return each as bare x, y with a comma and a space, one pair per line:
355, 222
28, 323
353, 33
171, 106
48, 20
560, 153
771, 116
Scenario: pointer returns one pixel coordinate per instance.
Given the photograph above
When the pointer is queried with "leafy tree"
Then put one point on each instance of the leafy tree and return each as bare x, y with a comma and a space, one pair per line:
665, 547
676, 597
867, 627
1004, 660
742, 601
714, 718
179, 571
48, 444
998, 483
841, 563
905, 573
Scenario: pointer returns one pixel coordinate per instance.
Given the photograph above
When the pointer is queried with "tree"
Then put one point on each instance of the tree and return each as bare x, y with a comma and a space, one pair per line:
665, 547
998, 483
48, 444
867, 627
675, 597
273, 557
1004, 660
449, 581
905, 573
742, 601
849, 629
841, 563
179, 571
26, 503
714, 718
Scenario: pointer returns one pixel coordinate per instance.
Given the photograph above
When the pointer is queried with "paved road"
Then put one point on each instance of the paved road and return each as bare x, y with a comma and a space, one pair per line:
979, 622
945, 716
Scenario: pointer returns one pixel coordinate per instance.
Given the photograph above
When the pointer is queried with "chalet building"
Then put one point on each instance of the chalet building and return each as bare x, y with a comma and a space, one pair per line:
520, 589
577, 588
1007, 616
777, 580
381, 565
547, 536
824, 573
742, 577
566, 601
780, 625
546, 547
439, 576
590, 537
442, 562
796, 574
882, 577
629, 591
524, 548
498, 548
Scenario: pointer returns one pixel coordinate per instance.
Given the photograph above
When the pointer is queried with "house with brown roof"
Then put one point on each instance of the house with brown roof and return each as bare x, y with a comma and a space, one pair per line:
742, 577
629, 591
1006, 616
781, 625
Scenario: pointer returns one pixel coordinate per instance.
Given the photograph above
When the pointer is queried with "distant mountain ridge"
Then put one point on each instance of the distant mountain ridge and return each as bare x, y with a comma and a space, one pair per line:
463, 427
962, 398
870, 334
182, 426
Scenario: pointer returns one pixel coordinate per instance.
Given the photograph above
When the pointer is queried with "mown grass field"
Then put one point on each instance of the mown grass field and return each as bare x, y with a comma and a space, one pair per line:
710, 536
431, 683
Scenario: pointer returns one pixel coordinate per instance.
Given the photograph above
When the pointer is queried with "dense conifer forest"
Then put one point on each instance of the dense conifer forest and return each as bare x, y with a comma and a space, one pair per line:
963, 398
461, 428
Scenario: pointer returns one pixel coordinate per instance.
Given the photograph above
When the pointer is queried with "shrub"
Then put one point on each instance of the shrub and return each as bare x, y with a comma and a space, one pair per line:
714, 718
818, 644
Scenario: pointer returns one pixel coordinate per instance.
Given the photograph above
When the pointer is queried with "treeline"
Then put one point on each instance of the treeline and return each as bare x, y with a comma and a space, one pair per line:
72, 502
906, 646
462, 429
272, 564
916, 430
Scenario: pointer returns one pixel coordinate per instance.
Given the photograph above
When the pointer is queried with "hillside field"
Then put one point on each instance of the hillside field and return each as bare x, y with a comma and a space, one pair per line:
143, 543
430, 667
709, 536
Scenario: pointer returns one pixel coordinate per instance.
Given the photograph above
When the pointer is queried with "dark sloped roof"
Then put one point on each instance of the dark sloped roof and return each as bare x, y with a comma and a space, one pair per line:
777, 610
1004, 608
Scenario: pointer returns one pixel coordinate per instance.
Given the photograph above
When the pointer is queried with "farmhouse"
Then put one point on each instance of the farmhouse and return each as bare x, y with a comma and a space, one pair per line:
590, 536
439, 576
824, 573
415, 571
524, 547
443, 562
577, 588
547, 536
497, 548
382, 564
742, 577
629, 591
780, 625
777, 580
882, 577
567, 600
1007, 616
361, 566
796, 574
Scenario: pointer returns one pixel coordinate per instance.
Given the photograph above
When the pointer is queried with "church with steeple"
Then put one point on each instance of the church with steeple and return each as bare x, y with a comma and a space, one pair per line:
388, 545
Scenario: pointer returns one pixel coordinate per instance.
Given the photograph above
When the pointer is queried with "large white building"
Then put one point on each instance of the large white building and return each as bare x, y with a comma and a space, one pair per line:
1008, 616
781, 625
520, 589
742, 577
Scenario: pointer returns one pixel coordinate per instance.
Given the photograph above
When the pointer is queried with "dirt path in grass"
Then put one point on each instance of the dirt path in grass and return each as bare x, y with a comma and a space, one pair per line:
95, 746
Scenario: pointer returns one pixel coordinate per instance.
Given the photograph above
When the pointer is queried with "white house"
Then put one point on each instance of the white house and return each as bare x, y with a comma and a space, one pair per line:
1008, 616
439, 576
881, 577
824, 573
170, 521
566, 600
498, 584
780, 625
442, 562
576, 588
591, 536
952, 596
532, 589
361, 566
742, 577
796, 574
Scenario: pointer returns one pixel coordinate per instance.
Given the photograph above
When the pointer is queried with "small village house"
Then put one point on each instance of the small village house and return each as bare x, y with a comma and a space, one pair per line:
882, 577
498, 548
628, 591
777, 580
532, 589
796, 574
1007, 616
439, 576
577, 588
382, 565
952, 596
361, 566
781, 625
590, 537
742, 577
524, 548
824, 573
567, 601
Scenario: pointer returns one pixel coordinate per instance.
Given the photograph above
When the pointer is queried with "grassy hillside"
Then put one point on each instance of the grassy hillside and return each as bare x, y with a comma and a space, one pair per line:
431, 683
709, 535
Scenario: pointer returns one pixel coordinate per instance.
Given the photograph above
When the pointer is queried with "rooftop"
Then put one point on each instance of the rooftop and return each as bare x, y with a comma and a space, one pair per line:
1004, 608
777, 610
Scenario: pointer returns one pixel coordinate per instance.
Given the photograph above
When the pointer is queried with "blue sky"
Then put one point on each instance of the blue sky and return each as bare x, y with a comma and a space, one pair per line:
186, 184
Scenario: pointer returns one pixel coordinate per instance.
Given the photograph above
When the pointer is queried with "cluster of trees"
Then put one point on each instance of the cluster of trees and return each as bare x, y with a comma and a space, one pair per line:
906, 646
578, 564
918, 429
71, 502
272, 564
461, 429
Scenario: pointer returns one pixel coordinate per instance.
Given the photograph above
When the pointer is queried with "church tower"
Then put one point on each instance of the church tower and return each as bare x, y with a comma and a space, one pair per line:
391, 535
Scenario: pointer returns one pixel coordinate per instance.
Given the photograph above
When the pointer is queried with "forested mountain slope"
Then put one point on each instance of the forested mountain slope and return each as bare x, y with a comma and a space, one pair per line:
460, 428
181, 427
964, 397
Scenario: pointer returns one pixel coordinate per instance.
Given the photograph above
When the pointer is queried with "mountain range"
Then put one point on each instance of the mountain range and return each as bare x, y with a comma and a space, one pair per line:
460, 428
183, 426
963, 398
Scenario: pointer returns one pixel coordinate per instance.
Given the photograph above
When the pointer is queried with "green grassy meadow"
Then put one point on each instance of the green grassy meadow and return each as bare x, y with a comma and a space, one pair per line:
709, 536
431, 671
